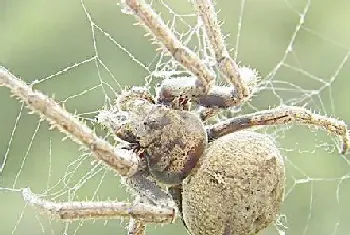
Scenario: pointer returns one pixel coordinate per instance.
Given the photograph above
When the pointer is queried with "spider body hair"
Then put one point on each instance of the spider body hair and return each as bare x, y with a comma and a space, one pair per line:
171, 141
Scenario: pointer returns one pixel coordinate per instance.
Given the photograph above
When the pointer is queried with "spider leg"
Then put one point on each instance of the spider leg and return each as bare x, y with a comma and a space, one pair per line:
100, 210
205, 113
201, 85
217, 96
187, 58
123, 161
176, 193
282, 116
148, 190
136, 227
227, 66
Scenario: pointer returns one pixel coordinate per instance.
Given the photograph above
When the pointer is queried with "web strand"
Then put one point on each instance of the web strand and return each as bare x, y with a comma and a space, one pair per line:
300, 50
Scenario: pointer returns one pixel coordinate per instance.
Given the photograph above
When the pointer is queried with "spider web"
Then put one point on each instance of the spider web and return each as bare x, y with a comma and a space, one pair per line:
85, 52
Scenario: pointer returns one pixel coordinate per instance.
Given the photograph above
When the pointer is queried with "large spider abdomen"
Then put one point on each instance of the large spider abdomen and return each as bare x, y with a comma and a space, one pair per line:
173, 141
237, 188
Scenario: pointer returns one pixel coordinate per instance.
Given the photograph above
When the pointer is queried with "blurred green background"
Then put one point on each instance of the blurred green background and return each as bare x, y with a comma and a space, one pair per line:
40, 38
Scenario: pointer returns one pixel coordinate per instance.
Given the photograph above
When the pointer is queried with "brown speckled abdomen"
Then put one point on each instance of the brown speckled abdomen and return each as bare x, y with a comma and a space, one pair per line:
238, 186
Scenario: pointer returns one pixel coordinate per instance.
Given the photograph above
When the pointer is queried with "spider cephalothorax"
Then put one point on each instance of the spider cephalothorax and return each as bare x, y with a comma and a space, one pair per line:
170, 140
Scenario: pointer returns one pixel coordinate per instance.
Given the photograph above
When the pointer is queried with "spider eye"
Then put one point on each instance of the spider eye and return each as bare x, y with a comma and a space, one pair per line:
121, 116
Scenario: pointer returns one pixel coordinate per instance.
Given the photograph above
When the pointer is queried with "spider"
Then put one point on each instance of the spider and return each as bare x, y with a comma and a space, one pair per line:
222, 178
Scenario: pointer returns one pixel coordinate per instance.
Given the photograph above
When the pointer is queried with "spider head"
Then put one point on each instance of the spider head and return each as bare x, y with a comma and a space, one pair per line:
172, 141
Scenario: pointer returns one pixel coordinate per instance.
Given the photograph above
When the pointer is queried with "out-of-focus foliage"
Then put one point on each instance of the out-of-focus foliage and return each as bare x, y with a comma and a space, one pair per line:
39, 38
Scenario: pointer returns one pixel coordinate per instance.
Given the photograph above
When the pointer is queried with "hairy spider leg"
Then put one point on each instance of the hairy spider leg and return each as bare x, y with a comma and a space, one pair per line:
199, 87
283, 115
